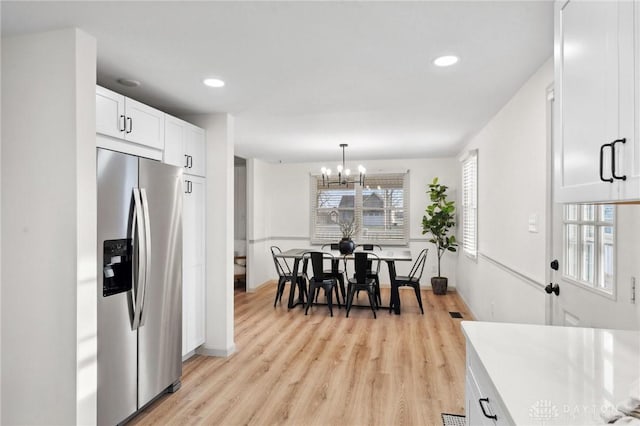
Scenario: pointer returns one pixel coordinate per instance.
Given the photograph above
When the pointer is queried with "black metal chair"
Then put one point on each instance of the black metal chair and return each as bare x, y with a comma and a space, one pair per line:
413, 279
362, 280
373, 272
284, 275
320, 280
335, 271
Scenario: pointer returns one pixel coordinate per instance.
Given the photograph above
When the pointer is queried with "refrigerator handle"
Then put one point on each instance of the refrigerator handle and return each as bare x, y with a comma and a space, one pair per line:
141, 250
147, 254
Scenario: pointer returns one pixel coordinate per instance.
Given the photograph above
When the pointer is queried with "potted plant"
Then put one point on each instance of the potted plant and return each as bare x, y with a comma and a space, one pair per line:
348, 229
438, 221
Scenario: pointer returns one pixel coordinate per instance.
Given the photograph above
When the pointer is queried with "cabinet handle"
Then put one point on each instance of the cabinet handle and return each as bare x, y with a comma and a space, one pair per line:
130, 120
613, 159
124, 124
190, 161
188, 190
481, 400
186, 161
610, 180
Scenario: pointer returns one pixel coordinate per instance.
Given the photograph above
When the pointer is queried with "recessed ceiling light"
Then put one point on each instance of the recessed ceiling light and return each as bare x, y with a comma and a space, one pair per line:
128, 82
213, 82
445, 61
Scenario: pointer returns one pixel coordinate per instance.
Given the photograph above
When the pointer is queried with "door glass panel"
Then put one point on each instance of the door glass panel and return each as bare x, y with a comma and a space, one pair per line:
571, 251
588, 246
606, 259
606, 213
589, 212
571, 212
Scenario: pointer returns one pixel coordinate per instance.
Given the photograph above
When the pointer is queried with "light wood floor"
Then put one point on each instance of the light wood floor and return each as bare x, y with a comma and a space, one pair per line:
317, 370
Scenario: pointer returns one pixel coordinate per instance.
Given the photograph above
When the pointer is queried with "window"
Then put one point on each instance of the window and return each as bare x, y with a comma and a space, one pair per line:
589, 237
379, 210
470, 204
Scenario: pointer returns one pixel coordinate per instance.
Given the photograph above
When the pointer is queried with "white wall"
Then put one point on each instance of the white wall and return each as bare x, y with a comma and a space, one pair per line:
219, 328
506, 281
281, 198
49, 229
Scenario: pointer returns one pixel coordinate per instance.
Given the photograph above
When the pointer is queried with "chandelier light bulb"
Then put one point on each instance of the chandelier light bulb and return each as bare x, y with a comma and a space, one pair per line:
323, 170
361, 169
347, 172
328, 172
339, 167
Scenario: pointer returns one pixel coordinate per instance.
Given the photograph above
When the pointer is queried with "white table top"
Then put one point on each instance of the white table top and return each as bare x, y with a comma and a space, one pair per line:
386, 255
534, 368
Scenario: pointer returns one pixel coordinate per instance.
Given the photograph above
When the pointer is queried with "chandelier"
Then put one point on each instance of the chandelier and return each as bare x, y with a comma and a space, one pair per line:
344, 174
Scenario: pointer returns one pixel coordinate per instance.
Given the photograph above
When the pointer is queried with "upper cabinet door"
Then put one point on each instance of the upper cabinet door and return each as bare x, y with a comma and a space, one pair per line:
110, 117
195, 150
593, 85
145, 125
174, 141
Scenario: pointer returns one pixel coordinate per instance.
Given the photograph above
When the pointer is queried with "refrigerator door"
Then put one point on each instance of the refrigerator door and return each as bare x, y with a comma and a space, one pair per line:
117, 175
160, 332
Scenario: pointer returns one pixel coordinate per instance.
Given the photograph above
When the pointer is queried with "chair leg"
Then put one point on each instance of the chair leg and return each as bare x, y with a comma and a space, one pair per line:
419, 297
312, 291
372, 302
342, 289
329, 297
378, 295
351, 291
279, 291
337, 296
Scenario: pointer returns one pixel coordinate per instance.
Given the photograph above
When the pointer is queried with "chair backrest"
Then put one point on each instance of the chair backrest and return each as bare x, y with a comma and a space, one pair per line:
332, 246
369, 247
418, 266
282, 267
362, 264
317, 262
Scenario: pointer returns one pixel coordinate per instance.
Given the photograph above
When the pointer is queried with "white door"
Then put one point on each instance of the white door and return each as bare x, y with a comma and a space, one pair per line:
586, 287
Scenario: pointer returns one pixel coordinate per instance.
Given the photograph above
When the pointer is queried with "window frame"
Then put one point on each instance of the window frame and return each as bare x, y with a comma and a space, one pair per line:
359, 210
470, 203
597, 224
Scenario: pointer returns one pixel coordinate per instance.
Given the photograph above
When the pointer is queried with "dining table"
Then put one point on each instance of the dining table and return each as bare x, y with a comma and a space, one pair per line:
390, 257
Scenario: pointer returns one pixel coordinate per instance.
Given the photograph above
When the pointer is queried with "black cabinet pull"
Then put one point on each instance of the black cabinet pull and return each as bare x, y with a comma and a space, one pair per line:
130, 120
610, 180
188, 190
613, 159
124, 123
481, 400
186, 161
190, 161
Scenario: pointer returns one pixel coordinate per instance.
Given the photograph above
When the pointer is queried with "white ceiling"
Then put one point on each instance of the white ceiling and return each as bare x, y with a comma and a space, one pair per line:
303, 77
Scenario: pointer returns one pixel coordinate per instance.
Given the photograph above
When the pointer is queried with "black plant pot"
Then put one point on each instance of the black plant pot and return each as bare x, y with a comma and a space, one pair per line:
439, 285
347, 246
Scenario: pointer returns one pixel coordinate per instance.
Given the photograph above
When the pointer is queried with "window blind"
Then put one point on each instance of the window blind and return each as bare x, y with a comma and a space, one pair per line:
470, 204
379, 209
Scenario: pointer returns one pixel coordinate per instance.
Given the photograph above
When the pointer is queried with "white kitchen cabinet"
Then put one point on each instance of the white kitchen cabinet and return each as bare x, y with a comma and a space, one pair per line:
482, 402
594, 139
123, 118
193, 263
184, 146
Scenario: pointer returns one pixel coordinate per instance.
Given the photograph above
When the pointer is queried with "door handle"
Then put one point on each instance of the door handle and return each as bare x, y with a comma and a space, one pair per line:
147, 254
610, 180
613, 159
552, 288
489, 416
555, 265
140, 242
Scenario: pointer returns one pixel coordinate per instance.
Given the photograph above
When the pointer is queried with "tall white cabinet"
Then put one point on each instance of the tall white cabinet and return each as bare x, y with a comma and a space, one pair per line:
184, 147
595, 141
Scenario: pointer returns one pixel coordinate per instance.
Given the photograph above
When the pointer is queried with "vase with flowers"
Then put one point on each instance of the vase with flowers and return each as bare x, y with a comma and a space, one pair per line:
348, 228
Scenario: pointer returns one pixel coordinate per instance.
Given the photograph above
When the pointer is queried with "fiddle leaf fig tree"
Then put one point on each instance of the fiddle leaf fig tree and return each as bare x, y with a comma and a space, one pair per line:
439, 219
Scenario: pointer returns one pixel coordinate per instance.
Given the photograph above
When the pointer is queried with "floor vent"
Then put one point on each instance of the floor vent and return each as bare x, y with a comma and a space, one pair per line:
455, 314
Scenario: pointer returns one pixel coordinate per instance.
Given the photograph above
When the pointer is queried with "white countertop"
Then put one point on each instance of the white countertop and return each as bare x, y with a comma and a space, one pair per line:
556, 375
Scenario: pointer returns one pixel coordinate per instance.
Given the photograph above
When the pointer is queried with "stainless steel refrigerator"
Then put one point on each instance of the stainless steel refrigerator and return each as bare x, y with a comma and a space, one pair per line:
139, 284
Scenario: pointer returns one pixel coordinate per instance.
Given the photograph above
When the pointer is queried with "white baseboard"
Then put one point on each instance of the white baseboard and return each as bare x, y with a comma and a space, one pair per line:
222, 353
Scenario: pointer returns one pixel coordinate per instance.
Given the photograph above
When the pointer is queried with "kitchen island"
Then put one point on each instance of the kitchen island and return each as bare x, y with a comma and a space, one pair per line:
533, 375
